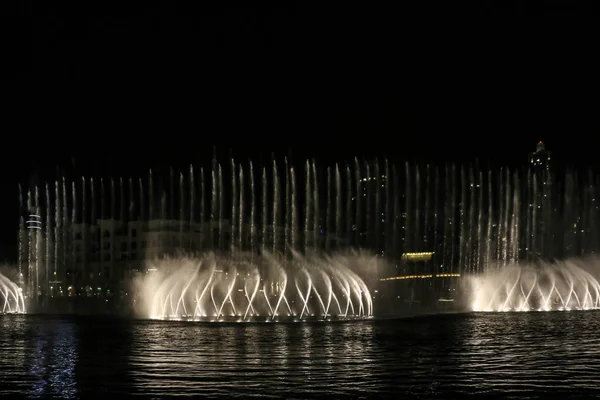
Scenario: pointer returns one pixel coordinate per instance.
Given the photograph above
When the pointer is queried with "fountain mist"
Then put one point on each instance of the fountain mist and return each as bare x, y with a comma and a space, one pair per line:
565, 285
11, 295
243, 287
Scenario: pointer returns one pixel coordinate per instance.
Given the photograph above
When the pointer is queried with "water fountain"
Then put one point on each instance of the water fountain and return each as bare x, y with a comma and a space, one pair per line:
565, 285
472, 220
11, 295
246, 287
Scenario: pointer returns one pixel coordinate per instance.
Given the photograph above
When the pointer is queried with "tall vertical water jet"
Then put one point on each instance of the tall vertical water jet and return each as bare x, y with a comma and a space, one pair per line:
550, 214
315, 203
113, 205
252, 209
388, 219
38, 245
234, 203
264, 214
171, 214
418, 239
22, 248
358, 222
57, 228
288, 207
131, 198
396, 248
73, 225
378, 215
408, 211
453, 207
48, 244
121, 201
242, 210
501, 230
214, 204
462, 215
20, 239
339, 233
590, 217
65, 231
192, 197
569, 221
427, 213
514, 235
142, 196
447, 226
276, 206
163, 214
221, 208
436, 221
529, 214
294, 205
480, 239
85, 226
181, 209
490, 220
307, 204
349, 202
92, 217
471, 238
203, 217
30, 253
507, 213
369, 205
151, 215
328, 212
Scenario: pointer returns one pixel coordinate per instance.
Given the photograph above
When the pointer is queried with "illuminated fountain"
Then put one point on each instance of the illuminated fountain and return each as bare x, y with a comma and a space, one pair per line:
249, 287
82, 232
11, 297
565, 285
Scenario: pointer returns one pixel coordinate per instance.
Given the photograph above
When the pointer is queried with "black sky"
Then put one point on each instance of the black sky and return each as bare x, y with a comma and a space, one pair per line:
120, 87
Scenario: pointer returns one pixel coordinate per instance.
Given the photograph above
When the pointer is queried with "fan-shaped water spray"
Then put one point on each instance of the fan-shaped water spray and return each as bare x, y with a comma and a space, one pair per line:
244, 287
565, 285
11, 296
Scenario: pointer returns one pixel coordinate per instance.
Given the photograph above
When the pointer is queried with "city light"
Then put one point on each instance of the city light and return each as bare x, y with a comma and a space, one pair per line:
425, 276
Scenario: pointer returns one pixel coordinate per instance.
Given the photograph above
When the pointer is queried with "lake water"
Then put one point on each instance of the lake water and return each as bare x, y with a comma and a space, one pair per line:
535, 354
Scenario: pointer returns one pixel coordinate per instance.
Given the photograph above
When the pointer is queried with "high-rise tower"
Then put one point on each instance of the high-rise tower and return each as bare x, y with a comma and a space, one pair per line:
540, 159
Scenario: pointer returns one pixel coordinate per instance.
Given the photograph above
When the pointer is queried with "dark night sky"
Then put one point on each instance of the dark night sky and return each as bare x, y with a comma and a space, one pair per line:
125, 86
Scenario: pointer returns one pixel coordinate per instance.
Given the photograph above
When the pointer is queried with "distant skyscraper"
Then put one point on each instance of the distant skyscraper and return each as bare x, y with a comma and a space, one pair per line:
540, 159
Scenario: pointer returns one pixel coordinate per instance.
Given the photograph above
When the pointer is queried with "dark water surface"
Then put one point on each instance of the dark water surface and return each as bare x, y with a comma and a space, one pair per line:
504, 355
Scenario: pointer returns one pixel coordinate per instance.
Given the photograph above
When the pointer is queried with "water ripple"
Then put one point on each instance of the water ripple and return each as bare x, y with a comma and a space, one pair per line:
510, 355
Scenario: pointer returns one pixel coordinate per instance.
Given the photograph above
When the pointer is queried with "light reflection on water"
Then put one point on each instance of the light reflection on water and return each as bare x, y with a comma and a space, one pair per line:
48, 352
511, 354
